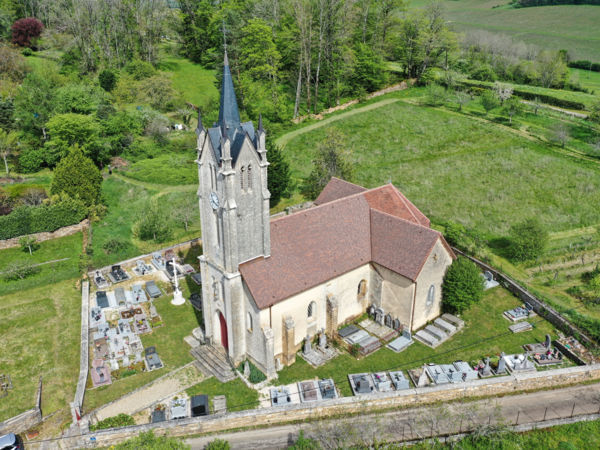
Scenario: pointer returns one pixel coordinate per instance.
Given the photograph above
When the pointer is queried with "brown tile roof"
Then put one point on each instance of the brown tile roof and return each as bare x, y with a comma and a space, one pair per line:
337, 189
311, 247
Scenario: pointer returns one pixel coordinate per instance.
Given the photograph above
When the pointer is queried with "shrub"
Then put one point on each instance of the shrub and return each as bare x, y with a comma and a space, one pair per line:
148, 441
462, 286
107, 79
78, 177
527, 240
121, 420
154, 224
19, 270
140, 69
354, 350
218, 444
27, 51
436, 95
31, 159
24, 30
114, 245
455, 233
489, 101
256, 376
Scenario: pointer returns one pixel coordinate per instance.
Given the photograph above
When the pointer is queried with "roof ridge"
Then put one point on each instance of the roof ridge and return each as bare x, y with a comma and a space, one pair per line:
407, 200
410, 222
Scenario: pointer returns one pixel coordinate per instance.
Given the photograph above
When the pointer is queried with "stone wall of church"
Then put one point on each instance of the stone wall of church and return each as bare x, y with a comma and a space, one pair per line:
428, 302
343, 288
255, 321
397, 295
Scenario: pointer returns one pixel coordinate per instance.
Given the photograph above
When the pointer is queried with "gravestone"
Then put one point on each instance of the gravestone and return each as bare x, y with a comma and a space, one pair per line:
548, 342
307, 345
486, 371
388, 320
371, 311
322, 340
379, 316
501, 365
488, 275
246, 369
423, 380
396, 325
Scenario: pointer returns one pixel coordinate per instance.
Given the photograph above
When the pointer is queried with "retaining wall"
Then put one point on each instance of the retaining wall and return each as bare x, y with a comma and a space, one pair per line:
84, 352
25, 420
45, 236
352, 405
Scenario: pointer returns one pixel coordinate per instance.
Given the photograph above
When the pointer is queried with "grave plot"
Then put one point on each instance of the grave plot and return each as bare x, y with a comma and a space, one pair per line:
361, 383
284, 395
382, 381
572, 348
309, 391
520, 327
489, 281
100, 280
544, 354
100, 373
117, 274
436, 374
420, 377
519, 363
401, 342
141, 268
440, 331
327, 389
520, 313
321, 354
399, 380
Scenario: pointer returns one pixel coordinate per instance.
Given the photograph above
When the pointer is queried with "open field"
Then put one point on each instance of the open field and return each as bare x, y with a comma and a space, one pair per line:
571, 27
55, 249
169, 168
456, 168
179, 321
587, 78
485, 334
39, 335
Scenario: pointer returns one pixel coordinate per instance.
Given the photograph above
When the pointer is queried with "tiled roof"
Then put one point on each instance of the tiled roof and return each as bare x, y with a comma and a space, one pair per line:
337, 189
313, 246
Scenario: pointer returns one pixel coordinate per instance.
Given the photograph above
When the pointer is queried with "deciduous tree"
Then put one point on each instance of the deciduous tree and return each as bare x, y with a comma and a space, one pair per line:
278, 179
8, 144
25, 30
527, 240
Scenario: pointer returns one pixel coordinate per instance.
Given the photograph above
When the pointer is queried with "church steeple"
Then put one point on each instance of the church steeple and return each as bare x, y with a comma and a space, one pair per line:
229, 115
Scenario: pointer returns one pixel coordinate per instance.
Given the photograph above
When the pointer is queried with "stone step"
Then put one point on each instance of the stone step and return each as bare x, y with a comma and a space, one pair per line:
212, 360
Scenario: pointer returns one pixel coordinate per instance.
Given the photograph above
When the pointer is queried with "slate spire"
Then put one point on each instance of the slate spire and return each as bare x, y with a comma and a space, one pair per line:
229, 115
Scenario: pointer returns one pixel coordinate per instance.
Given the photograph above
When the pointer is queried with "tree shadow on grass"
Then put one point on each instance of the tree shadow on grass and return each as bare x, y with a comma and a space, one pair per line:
500, 246
170, 66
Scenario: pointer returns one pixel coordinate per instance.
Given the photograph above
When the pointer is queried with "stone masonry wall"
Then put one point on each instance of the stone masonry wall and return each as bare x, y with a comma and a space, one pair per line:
46, 236
25, 420
353, 405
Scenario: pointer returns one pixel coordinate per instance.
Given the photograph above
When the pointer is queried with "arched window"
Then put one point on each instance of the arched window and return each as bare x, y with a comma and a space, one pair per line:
249, 176
430, 295
362, 289
242, 174
249, 321
311, 309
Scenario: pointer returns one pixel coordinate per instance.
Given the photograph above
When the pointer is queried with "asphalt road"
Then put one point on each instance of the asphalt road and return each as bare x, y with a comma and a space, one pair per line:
418, 423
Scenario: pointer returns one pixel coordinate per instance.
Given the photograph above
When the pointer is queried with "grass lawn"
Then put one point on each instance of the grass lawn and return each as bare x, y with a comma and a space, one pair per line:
571, 27
456, 168
239, 396
39, 335
125, 201
485, 334
587, 78
179, 321
54, 249
169, 168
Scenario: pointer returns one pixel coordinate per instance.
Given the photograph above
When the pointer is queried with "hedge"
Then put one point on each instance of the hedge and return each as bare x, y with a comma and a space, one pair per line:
544, 98
36, 219
584, 64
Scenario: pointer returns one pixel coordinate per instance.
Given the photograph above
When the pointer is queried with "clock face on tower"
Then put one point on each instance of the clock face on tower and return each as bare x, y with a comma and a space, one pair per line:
214, 200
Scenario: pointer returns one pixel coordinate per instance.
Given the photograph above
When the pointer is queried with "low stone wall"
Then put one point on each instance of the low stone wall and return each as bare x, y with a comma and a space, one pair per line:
540, 307
352, 405
46, 236
25, 420
84, 353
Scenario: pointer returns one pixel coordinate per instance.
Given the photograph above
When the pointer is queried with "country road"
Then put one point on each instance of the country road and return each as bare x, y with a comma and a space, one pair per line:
418, 423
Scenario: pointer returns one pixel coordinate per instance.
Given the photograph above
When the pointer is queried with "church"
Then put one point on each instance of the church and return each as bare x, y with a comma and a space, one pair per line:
270, 283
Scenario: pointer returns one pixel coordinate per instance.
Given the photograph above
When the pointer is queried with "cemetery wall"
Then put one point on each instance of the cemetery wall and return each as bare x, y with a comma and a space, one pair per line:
84, 352
490, 387
25, 420
46, 236
540, 307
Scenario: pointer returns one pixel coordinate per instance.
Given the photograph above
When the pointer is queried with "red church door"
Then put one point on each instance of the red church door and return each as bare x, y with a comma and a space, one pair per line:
223, 322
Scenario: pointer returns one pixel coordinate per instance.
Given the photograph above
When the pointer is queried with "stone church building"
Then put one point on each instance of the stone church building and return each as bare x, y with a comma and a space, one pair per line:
267, 284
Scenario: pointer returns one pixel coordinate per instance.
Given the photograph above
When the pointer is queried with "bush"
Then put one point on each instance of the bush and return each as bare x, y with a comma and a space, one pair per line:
256, 376
154, 224
462, 286
31, 159
436, 95
107, 79
25, 30
527, 240
35, 219
114, 245
121, 420
78, 177
140, 69
354, 350
27, 51
148, 441
489, 101
19, 270
218, 444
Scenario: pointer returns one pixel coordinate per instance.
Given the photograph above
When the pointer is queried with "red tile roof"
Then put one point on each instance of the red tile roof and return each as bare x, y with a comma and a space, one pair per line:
313, 246
337, 189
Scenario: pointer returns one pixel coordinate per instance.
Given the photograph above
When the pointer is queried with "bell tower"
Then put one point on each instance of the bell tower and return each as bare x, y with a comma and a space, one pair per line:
234, 212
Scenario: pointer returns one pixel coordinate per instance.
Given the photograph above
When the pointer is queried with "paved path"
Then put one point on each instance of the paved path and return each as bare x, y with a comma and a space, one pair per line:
419, 423
152, 393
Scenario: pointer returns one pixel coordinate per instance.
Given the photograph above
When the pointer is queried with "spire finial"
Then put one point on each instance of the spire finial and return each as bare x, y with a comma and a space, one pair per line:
260, 125
200, 125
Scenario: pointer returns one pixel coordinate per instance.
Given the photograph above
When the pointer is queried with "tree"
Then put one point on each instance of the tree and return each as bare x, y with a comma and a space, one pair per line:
527, 240
77, 176
67, 130
330, 161
186, 209
19, 270
258, 53
462, 286
552, 69
436, 95
24, 30
503, 91
489, 101
278, 178
28, 243
34, 102
159, 91
8, 144
512, 107
595, 112
369, 69
560, 134
12, 64
154, 223
462, 98
107, 79
7, 109
537, 104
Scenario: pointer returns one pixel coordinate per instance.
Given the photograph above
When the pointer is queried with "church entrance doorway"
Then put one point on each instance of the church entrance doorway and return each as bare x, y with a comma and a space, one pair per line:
223, 326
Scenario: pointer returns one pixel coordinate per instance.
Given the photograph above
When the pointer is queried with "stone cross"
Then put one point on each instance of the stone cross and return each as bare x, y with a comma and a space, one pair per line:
486, 371
322, 340
246, 369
